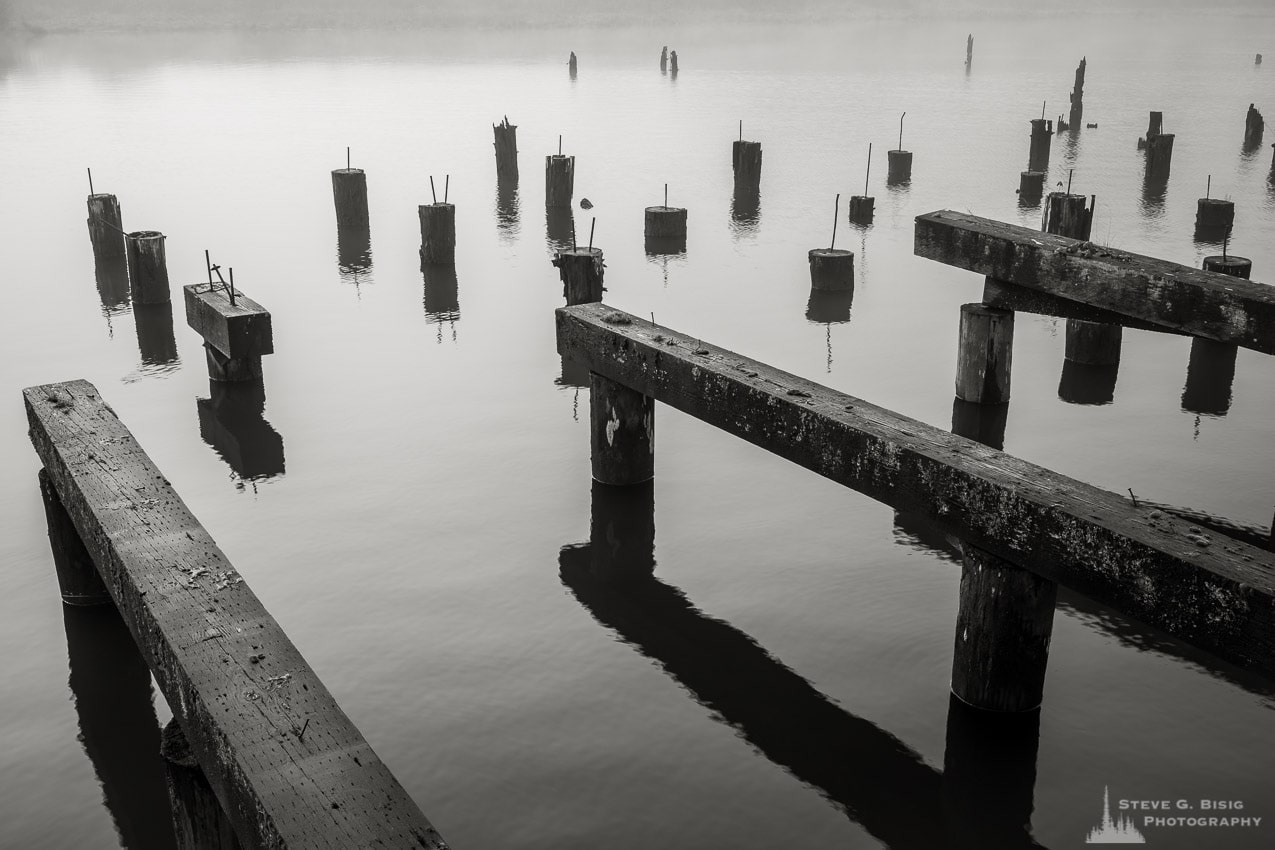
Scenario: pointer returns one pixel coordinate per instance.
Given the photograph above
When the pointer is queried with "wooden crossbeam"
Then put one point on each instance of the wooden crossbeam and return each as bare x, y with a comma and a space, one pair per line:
1172, 296
1213, 592
288, 766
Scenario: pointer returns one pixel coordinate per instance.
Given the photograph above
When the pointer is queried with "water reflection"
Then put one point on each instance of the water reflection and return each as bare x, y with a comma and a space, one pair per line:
231, 420
155, 340
354, 252
111, 273
560, 228
1210, 375
1087, 383
507, 224
111, 687
745, 212
1154, 190
872, 776
442, 296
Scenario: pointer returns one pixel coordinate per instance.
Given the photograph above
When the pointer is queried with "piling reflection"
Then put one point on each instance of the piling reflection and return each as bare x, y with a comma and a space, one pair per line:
745, 212
1154, 190
442, 296
876, 779
507, 208
155, 340
982, 423
231, 420
111, 687
354, 252
111, 274
560, 227
1087, 383
1210, 375
829, 307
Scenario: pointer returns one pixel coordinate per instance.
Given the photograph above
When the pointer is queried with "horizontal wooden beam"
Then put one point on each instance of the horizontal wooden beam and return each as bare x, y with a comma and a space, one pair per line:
288, 766
1176, 297
1007, 296
241, 329
1216, 593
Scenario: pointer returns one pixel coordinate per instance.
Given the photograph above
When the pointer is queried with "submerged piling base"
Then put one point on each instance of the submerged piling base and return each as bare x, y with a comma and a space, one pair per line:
622, 432
438, 232
831, 269
862, 208
1213, 218
899, 167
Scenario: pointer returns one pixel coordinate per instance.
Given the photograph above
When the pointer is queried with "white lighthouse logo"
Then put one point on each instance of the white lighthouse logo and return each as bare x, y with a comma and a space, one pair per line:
1114, 832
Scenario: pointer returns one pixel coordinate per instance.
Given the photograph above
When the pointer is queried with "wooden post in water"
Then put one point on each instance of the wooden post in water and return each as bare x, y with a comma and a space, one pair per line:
899, 161
148, 267
1077, 97
560, 175
1041, 139
665, 228
831, 269
1155, 125
746, 162
571, 65
1210, 373
1031, 185
622, 432
664, 59
236, 333
672, 63
1159, 156
969, 50
506, 145
1067, 215
198, 819
106, 229
438, 232
349, 192
1214, 218
1003, 627
78, 579
984, 353
1254, 126
581, 270
862, 207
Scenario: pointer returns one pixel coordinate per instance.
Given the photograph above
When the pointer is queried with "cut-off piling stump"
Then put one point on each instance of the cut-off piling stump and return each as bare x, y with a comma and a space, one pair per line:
665, 223
899, 167
1214, 218
349, 193
560, 175
984, 354
622, 433
506, 145
148, 267
1067, 215
1076, 115
1041, 139
1031, 186
106, 228
438, 232
235, 335
1229, 265
1003, 627
862, 208
746, 162
1254, 126
1159, 156
831, 269
581, 270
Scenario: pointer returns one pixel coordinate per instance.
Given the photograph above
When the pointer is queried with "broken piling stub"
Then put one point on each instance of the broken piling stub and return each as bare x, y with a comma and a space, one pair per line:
1213, 219
560, 175
1041, 138
438, 232
831, 269
1076, 115
746, 162
1031, 185
506, 145
236, 334
581, 270
148, 267
1254, 126
106, 229
349, 193
985, 349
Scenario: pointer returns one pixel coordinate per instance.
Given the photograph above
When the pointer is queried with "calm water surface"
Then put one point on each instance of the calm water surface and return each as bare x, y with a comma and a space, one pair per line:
409, 496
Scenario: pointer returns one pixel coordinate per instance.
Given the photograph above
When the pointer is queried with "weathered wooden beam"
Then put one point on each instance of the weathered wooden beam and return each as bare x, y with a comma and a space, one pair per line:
1216, 594
288, 766
1007, 296
237, 330
1201, 303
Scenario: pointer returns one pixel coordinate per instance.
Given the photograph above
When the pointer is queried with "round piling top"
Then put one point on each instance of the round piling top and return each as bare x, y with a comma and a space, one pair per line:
437, 205
557, 157
1230, 264
1214, 203
898, 152
666, 210
861, 198
826, 254
581, 252
101, 196
145, 235
345, 172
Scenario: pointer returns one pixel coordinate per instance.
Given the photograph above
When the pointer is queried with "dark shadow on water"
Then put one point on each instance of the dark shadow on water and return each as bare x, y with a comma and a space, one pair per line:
745, 213
442, 296
507, 209
830, 308
1210, 375
155, 340
111, 686
560, 229
872, 776
232, 421
1084, 383
354, 253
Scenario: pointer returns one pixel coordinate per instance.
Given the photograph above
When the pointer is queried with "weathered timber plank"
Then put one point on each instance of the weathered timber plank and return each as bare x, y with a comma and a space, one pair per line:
236, 330
288, 766
1217, 594
1007, 296
1206, 304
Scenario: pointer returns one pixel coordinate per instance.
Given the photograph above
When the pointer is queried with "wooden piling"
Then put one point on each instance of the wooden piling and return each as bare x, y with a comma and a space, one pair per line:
506, 145
1253, 127
560, 175
1214, 218
571, 65
1067, 215
1041, 139
581, 270
831, 269
1093, 343
148, 267
672, 62
1210, 373
746, 162
106, 227
1077, 97
78, 580
1159, 156
349, 193
665, 223
862, 208
664, 59
1229, 264
198, 819
1031, 185
236, 335
438, 232
969, 50
985, 351
622, 432
898, 167
1155, 125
